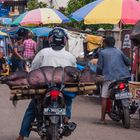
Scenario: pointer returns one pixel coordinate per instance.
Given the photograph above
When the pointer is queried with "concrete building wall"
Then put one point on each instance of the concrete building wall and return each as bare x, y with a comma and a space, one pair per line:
56, 3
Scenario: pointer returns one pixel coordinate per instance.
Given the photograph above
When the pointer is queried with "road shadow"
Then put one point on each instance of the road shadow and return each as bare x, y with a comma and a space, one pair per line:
91, 99
7, 137
134, 124
84, 119
11, 137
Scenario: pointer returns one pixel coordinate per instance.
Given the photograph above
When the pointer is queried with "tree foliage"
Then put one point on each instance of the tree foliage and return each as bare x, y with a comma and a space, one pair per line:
73, 5
34, 4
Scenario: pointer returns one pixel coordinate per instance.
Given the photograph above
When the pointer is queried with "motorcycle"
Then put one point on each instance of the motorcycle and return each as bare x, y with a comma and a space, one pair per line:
50, 115
119, 106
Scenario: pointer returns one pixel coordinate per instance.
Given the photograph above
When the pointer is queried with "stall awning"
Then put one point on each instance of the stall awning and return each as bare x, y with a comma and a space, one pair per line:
14, 3
39, 31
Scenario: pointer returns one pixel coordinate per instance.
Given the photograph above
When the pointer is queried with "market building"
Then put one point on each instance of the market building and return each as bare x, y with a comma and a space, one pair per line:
16, 6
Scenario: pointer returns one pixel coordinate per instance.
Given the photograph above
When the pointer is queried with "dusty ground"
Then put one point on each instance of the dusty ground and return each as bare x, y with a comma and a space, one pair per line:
85, 113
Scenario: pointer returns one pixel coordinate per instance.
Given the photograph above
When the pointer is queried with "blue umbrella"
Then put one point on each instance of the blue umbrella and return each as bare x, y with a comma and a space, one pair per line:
11, 30
41, 31
81, 13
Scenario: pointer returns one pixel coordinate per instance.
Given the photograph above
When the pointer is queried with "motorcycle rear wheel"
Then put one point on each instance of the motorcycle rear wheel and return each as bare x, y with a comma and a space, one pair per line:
126, 118
53, 132
44, 138
114, 114
114, 117
139, 113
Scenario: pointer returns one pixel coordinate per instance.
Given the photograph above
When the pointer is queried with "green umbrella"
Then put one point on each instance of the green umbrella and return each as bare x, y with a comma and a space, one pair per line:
17, 21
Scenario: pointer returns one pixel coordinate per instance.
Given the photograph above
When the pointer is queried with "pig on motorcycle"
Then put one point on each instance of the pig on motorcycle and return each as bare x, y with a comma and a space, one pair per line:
55, 56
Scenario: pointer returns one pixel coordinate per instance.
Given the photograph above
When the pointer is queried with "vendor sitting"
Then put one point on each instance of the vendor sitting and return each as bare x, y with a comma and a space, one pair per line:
2, 65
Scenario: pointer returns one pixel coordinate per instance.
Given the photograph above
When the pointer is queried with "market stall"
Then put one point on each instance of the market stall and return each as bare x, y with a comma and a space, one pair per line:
134, 86
4, 54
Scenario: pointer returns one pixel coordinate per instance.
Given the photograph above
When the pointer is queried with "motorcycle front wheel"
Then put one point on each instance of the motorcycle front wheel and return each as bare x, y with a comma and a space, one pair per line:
126, 118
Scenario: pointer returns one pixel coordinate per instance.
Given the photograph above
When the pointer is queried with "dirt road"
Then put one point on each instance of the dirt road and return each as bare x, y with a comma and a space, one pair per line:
85, 113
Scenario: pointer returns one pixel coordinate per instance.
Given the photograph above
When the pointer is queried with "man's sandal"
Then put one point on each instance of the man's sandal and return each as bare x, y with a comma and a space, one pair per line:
101, 122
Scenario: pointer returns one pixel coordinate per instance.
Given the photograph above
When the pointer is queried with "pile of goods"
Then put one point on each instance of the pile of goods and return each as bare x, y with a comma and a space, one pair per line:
25, 85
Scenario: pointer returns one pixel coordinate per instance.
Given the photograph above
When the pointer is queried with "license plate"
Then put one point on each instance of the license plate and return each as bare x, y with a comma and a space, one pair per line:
54, 111
123, 95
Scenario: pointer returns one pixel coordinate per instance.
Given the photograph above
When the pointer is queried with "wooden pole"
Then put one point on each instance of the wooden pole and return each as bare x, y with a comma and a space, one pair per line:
27, 91
137, 65
120, 35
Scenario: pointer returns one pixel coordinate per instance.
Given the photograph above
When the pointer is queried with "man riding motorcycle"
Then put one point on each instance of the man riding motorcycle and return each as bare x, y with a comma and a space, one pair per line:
54, 56
113, 65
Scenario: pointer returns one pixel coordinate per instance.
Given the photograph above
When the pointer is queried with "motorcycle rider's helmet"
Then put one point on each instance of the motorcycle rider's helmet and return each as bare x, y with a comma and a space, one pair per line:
57, 38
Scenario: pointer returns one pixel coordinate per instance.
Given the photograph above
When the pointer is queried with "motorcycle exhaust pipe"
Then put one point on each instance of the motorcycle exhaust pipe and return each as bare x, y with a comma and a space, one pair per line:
69, 128
72, 126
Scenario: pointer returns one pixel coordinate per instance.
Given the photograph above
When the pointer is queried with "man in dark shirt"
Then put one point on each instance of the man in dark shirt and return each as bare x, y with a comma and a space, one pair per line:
113, 65
17, 58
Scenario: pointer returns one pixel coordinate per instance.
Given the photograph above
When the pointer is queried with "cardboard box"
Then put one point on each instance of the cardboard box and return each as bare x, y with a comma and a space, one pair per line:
134, 88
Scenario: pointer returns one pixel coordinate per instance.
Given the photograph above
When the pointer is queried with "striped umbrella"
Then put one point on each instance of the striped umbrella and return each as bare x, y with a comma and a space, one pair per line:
40, 16
17, 21
109, 12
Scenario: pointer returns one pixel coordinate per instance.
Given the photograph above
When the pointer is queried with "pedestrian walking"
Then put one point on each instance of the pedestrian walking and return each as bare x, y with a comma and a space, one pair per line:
29, 47
29, 50
17, 56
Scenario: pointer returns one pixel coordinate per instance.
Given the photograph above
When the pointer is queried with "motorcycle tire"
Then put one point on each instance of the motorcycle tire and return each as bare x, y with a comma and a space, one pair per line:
126, 118
139, 113
44, 138
114, 117
113, 114
53, 132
